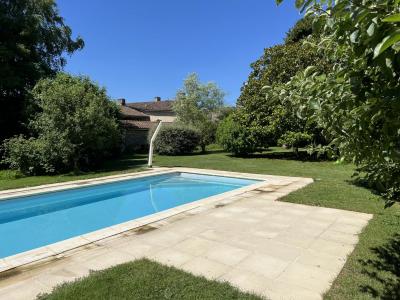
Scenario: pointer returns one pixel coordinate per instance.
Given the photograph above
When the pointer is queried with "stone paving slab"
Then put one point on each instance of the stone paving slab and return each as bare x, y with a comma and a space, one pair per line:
278, 250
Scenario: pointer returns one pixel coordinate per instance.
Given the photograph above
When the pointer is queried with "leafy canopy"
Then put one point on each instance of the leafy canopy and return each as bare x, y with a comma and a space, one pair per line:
265, 114
33, 39
76, 127
196, 101
358, 102
199, 105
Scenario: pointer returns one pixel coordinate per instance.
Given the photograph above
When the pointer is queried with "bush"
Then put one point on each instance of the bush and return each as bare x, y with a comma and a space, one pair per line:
234, 137
77, 127
207, 130
176, 140
33, 156
295, 140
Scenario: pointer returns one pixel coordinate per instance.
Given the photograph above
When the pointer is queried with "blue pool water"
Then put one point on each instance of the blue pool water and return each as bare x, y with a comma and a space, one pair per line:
34, 221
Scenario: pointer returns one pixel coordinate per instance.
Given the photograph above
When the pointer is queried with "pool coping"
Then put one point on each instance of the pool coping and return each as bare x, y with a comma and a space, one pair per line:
58, 248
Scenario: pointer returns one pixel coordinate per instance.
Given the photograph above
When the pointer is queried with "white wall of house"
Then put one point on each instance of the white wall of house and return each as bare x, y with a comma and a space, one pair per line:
162, 117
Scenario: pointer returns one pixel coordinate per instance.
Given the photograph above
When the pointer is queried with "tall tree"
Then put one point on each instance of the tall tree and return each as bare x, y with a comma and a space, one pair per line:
358, 102
198, 105
267, 117
33, 39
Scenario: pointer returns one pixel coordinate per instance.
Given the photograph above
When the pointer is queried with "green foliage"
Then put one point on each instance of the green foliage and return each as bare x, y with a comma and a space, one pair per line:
268, 118
176, 139
33, 39
357, 103
295, 140
279, 64
302, 29
196, 101
225, 112
77, 127
207, 130
35, 155
199, 105
234, 137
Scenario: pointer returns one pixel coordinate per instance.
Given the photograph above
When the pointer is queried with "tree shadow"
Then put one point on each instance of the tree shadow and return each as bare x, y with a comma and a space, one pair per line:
284, 155
363, 183
196, 153
124, 163
385, 269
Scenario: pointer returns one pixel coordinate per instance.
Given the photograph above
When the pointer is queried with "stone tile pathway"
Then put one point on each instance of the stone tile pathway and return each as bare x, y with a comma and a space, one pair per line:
275, 249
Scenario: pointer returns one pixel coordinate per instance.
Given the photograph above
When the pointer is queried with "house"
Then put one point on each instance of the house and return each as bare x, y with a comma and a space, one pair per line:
138, 118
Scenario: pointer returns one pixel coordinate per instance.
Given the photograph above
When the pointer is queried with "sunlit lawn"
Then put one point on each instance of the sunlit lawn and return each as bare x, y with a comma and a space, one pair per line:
372, 270
144, 279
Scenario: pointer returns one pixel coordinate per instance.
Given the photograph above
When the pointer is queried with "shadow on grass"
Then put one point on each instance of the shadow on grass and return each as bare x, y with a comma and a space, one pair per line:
363, 183
196, 153
385, 269
124, 163
284, 155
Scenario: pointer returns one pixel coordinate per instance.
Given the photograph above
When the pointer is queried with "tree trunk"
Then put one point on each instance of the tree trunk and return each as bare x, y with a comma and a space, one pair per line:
203, 148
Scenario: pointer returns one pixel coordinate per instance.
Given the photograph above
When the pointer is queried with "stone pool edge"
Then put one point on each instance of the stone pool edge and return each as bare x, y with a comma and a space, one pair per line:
288, 185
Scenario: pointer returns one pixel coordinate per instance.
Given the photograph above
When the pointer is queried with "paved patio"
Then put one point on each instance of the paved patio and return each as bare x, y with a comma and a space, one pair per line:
275, 249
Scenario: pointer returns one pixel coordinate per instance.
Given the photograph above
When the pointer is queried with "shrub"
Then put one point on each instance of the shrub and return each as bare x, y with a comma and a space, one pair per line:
76, 128
234, 137
295, 140
176, 139
33, 156
207, 130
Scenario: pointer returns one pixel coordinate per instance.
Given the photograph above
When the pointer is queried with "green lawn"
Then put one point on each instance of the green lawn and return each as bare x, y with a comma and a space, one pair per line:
372, 271
144, 279
12, 180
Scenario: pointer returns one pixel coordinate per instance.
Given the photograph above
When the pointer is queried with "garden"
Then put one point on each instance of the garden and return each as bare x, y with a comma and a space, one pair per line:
323, 104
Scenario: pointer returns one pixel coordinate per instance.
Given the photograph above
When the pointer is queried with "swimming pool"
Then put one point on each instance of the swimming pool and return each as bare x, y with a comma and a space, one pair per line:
34, 221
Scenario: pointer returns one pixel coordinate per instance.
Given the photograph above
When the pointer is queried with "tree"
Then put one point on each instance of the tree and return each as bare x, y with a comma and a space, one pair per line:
272, 118
33, 38
198, 105
76, 127
234, 137
294, 140
357, 103
301, 30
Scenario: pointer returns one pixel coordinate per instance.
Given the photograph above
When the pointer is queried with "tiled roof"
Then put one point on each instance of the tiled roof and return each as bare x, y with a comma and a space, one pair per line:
149, 106
131, 113
133, 124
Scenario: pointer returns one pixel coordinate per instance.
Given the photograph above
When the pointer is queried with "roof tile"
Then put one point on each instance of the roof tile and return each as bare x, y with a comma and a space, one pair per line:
149, 106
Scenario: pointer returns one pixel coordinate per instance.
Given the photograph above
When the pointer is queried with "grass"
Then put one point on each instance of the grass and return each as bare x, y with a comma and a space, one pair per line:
133, 163
144, 279
372, 270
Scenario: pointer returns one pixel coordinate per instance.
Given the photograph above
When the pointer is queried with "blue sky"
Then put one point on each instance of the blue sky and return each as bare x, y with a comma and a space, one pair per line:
142, 49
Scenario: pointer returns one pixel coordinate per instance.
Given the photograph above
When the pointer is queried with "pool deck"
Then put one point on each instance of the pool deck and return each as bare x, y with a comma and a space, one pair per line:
278, 250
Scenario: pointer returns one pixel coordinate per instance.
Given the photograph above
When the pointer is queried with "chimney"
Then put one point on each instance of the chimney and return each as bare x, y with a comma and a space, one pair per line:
121, 101
157, 99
